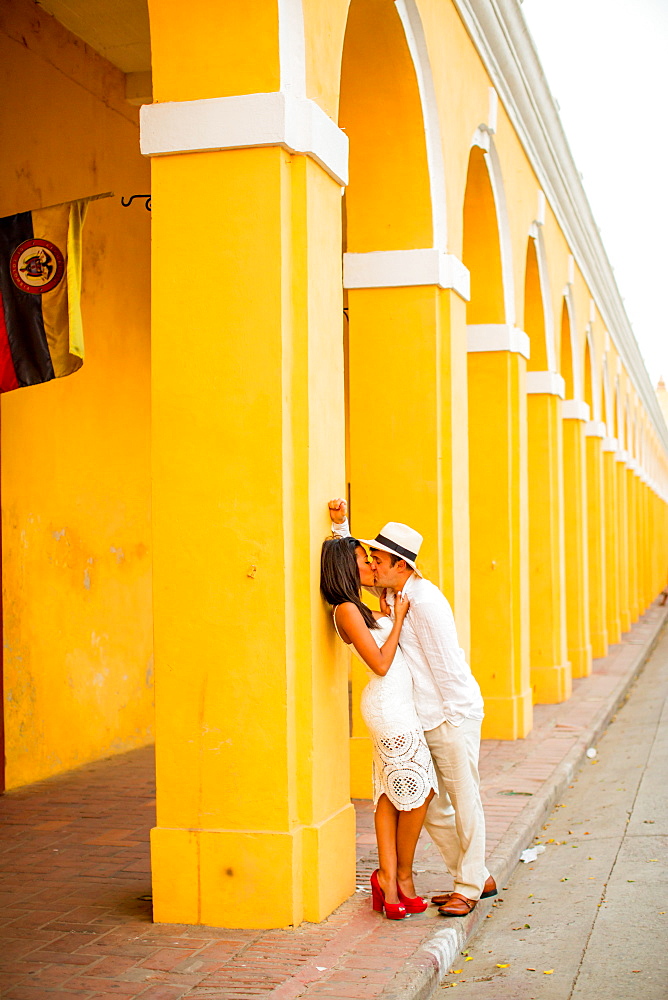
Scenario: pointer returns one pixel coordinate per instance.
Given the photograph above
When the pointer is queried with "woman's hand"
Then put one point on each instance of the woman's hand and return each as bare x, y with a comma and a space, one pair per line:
338, 510
384, 606
401, 606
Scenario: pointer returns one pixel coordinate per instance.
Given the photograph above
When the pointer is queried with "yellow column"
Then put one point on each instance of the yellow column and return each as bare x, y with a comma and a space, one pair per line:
550, 669
623, 534
406, 426
611, 540
646, 515
598, 627
632, 540
575, 532
499, 539
254, 822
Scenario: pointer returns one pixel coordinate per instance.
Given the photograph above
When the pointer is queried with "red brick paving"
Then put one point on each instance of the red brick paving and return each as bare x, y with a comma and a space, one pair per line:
74, 871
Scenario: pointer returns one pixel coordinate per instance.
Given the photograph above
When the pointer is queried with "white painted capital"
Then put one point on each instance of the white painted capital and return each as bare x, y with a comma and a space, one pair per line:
545, 383
621, 455
483, 337
610, 444
575, 409
632, 465
405, 268
595, 428
297, 124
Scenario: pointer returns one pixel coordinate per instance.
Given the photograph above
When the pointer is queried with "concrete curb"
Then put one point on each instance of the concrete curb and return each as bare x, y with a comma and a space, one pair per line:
424, 970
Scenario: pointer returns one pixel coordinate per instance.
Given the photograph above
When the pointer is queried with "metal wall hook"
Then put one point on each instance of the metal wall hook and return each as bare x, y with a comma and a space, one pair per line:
125, 203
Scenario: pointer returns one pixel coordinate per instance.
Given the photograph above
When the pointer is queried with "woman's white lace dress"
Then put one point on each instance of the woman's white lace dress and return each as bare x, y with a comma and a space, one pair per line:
402, 765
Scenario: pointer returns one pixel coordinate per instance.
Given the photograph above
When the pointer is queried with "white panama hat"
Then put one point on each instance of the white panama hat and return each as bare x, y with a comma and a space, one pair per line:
398, 539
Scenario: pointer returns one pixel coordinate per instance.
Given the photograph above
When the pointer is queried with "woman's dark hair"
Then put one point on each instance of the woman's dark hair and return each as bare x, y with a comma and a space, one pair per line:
340, 576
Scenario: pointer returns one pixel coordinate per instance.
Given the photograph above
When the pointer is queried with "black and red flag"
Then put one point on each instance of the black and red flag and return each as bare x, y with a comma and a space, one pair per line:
41, 334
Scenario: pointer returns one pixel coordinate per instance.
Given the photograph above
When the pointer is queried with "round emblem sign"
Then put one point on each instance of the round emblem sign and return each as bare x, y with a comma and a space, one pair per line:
36, 266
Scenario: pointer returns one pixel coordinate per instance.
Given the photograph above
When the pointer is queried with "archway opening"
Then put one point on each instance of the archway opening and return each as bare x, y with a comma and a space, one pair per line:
481, 244
588, 380
387, 204
534, 312
566, 352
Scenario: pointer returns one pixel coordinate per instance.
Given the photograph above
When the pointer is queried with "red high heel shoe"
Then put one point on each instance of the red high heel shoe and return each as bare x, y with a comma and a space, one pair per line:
413, 904
393, 911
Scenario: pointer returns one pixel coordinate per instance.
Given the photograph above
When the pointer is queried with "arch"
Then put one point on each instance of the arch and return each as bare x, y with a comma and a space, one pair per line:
482, 247
588, 381
417, 45
535, 320
616, 414
566, 352
388, 203
607, 397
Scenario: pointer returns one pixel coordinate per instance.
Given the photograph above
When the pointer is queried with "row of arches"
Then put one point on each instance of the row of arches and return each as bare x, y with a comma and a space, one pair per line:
540, 393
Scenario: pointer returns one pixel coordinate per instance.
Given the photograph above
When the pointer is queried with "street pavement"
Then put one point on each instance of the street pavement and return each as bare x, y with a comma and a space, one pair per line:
589, 918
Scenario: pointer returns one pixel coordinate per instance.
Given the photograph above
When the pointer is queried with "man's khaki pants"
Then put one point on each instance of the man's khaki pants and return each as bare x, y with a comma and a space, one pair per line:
455, 818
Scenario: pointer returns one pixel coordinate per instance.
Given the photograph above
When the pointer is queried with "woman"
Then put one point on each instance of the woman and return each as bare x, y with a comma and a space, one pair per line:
404, 780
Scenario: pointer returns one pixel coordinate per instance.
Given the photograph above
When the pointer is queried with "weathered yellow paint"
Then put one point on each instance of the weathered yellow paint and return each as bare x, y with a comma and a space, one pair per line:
575, 530
76, 566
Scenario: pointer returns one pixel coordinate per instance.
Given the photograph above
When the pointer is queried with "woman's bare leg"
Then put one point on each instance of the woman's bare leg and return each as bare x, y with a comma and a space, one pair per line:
409, 825
385, 820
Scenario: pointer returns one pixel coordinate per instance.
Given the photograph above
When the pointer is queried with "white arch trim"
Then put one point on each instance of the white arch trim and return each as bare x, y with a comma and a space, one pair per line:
545, 383
483, 139
403, 268
297, 124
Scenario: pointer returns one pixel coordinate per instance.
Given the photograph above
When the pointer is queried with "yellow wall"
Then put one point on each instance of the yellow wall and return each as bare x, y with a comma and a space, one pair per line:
75, 477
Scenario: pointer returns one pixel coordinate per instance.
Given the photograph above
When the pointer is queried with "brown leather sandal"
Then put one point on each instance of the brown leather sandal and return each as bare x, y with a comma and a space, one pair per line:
458, 906
489, 889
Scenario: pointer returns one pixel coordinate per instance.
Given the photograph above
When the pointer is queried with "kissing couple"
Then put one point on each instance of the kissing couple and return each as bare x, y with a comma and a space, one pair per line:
423, 709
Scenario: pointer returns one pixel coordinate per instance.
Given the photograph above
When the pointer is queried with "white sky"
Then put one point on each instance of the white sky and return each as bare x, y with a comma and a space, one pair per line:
606, 62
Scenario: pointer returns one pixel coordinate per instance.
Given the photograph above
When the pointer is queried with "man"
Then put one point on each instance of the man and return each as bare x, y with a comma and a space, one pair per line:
449, 705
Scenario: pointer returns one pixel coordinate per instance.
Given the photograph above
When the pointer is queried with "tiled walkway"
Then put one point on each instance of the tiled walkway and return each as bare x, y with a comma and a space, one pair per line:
75, 911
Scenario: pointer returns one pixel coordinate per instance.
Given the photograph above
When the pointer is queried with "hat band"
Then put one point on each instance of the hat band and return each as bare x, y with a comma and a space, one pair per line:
397, 548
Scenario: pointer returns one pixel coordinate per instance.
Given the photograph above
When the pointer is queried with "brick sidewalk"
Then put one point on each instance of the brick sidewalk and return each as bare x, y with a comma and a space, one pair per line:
75, 912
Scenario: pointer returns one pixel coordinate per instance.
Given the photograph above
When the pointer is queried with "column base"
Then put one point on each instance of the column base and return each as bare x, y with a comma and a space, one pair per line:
614, 631
361, 755
580, 661
508, 718
216, 877
551, 685
625, 620
599, 644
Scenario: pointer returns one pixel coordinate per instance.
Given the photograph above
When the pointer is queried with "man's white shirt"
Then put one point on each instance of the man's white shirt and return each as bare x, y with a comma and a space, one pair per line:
443, 685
